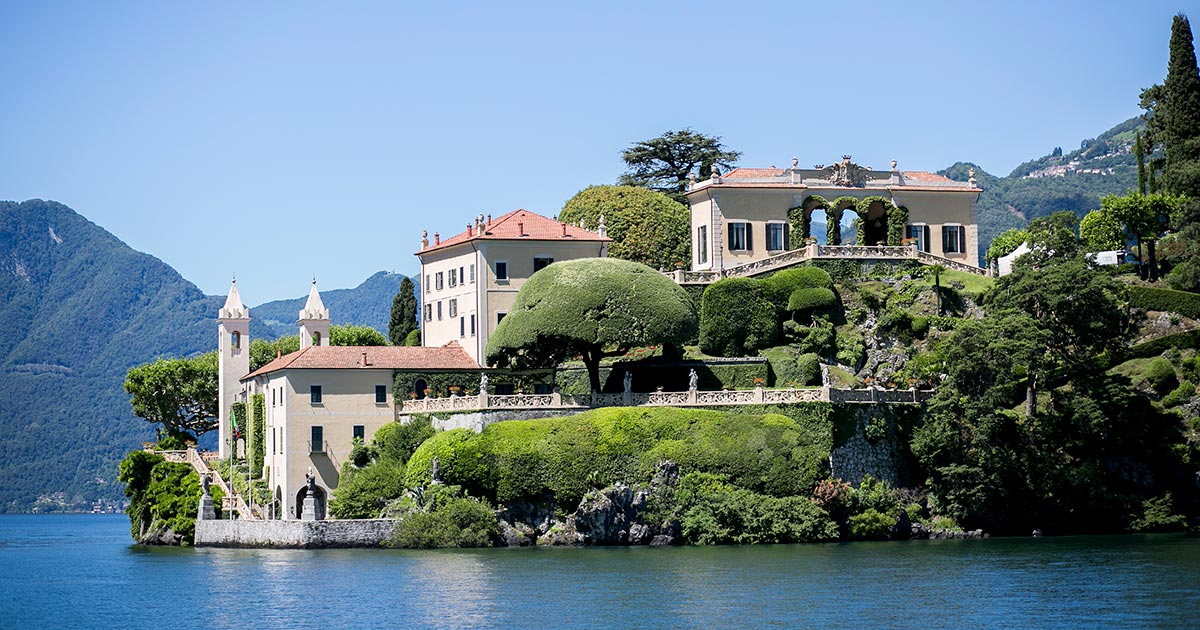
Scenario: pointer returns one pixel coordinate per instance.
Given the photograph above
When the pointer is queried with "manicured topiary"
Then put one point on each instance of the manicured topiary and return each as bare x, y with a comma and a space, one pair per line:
1179, 395
816, 299
808, 366
735, 318
1160, 376
779, 286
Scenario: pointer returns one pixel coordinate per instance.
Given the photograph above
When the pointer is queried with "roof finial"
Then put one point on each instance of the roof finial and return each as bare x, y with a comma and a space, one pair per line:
795, 162
893, 164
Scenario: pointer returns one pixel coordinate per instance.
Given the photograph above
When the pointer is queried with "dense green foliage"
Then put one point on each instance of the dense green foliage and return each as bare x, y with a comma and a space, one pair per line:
591, 308
402, 320
779, 286
665, 163
162, 495
736, 318
769, 454
715, 512
645, 226
354, 335
805, 300
446, 518
671, 376
180, 394
1101, 231
374, 474
1155, 299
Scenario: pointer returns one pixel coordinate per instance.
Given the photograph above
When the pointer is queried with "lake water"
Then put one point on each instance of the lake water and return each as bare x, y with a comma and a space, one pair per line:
82, 571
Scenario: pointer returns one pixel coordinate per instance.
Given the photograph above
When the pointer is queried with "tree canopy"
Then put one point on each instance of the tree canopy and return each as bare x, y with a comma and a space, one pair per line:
737, 318
664, 163
590, 308
647, 227
403, 318
1101, 231
180, 394
351, 335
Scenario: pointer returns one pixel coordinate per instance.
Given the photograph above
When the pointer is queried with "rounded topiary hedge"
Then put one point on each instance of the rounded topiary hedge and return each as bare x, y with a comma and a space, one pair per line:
811, 299
736, 319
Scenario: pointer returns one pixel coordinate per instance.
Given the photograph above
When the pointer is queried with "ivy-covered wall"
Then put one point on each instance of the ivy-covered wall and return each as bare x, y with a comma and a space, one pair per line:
468, 382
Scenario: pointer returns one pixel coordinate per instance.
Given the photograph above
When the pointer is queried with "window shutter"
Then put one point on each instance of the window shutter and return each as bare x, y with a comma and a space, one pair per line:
729, 239
945, 239
749, 235
787, 237
962, 239
925, 241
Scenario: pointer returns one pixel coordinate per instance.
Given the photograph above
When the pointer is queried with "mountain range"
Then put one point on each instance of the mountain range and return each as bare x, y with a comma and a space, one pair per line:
80, 308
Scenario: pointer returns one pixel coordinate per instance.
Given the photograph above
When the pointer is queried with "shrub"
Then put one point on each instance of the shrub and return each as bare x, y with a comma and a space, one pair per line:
735, 318
1154, 347
397, 441
413, 338
1157, 516
851, 348
808, 369
717, 513
779, 286
1160, 376
1179, 395
817, 339
452, 520
815, 299
871, 524
363, 492
162, 495
1154, 299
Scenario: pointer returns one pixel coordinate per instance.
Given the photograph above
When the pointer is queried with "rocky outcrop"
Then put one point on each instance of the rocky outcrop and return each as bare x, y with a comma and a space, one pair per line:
160, 534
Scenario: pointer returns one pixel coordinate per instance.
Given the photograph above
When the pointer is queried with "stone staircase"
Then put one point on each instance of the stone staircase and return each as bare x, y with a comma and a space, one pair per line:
200, 462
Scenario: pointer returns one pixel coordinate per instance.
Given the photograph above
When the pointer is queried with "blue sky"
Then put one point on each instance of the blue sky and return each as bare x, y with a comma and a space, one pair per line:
285, 140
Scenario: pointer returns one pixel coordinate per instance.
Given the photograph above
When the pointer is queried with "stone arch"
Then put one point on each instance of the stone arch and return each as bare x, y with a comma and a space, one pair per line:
419, 387
321, 497
316, 338
833, 233
880, 222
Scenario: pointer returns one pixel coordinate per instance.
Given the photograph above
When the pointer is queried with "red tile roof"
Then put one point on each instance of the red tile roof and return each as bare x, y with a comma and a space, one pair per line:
509, 227
753, 172
448, 357
925, 176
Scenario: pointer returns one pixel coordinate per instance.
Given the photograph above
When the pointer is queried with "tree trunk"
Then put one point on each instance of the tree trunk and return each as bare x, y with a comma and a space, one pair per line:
1030, 397
1150, 252
1141, 260
937, 288
591, 360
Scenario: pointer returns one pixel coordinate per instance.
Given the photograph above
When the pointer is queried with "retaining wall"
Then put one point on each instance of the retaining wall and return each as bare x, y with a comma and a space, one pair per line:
294, 534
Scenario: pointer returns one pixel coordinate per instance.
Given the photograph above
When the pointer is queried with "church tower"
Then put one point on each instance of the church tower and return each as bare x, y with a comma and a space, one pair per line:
314, 320
233, 360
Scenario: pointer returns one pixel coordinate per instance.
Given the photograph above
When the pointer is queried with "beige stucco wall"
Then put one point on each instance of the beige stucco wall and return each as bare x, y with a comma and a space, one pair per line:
440, 331
758, 207
348, 399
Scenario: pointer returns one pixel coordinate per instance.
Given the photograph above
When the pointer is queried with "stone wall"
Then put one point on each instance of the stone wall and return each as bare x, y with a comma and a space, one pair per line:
866, 443
478, 420
294, 534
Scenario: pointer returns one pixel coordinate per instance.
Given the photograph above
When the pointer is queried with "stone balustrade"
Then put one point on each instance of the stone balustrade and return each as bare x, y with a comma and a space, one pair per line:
757, 396
821, 252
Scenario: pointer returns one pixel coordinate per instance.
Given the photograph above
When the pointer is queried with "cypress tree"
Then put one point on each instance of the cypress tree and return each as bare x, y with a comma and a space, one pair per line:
404, 313
1140, 151
1181, 124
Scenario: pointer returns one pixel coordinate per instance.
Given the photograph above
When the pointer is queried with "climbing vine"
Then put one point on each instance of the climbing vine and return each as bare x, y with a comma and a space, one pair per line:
800, 218
897, 218
833, 231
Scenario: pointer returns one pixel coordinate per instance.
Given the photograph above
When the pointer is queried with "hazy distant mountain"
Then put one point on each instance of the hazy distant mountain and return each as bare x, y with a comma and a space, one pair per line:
1073, 181
79, 308
368, 304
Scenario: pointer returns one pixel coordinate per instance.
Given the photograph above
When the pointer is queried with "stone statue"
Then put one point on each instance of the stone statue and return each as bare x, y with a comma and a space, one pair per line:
312, 482
795, 162
693, 380
204, 483
483, 383
628, 382
435, 471
893, 165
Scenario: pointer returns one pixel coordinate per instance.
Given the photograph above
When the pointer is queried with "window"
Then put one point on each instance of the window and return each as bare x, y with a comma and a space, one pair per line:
919, 232
453, 277
437, 284
439, 310
454, 307
359, 432
954, 239
462, 277
272, 396
702, 244
428, 312
777, 237
428, 285
503, 389
380, 394
472, 274
316, 338
739, 236
314, 394
317, 442
541, 262
542, 388
462, 326
472, 324
235, 340
501, 271
500, 318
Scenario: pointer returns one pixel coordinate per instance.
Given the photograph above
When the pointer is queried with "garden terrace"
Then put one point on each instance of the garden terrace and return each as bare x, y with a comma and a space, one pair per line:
822, 252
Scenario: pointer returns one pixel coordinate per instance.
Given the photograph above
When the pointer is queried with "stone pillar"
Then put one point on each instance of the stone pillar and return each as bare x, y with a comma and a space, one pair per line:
309, 513
207, 511
758, 394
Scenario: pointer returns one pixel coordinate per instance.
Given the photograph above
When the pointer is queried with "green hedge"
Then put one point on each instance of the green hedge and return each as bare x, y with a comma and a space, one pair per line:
817, 298
736, 319
1155, 347
1150, 298
771, 454
778, 287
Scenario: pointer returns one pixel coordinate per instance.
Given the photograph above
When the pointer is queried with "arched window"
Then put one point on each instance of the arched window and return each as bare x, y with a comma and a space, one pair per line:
316, 338
235, 340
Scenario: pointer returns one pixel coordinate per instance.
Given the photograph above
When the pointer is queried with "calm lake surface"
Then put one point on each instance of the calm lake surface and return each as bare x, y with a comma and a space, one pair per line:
82, 571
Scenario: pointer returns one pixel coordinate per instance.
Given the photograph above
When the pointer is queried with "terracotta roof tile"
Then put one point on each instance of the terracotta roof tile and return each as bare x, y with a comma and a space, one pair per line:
448, 357
753, 172
520, 225
925, 176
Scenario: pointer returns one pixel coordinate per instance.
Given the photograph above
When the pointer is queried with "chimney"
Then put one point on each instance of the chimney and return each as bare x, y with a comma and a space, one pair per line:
364, 359
489, 219
564, 226
437, 238
520, 228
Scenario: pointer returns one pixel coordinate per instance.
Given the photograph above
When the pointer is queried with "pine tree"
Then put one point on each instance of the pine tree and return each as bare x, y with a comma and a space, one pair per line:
1181, 109
404, 313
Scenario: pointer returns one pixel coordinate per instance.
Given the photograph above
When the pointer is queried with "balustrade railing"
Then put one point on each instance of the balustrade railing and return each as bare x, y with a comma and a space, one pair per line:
810, 252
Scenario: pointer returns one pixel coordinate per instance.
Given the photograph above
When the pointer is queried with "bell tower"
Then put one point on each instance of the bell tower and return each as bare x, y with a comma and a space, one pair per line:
314, 320
233, 361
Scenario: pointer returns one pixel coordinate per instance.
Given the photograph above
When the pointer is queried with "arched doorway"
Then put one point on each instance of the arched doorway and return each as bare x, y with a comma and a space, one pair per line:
303, 493
419, 388
875, 224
